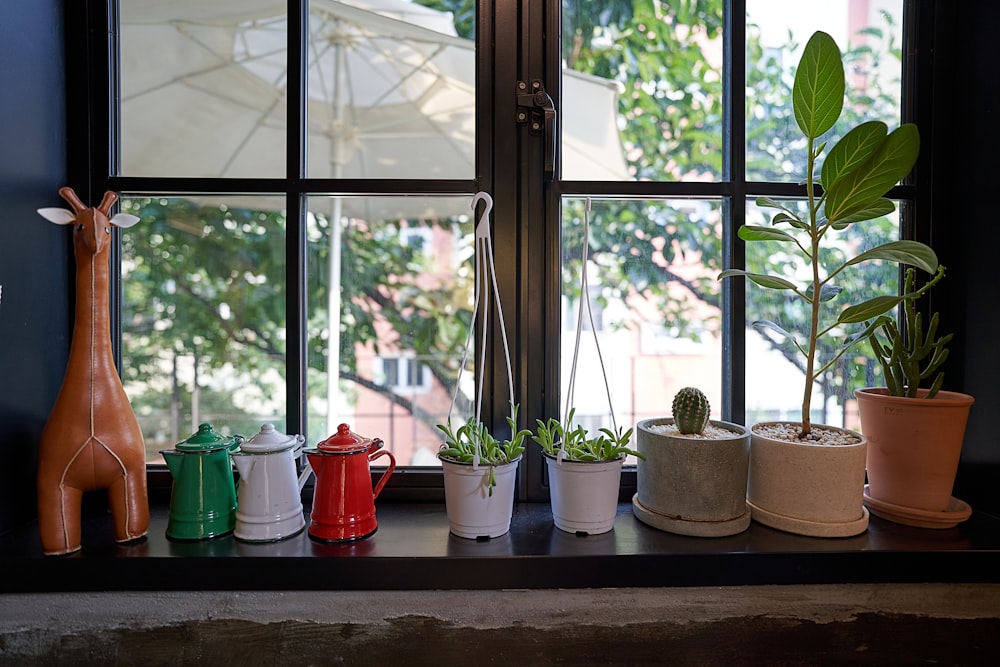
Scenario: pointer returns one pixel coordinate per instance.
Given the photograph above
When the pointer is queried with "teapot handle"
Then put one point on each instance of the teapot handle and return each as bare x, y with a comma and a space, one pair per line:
385, 476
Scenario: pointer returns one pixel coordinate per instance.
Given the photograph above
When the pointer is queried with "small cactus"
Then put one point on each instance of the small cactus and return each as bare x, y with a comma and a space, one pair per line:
690, 410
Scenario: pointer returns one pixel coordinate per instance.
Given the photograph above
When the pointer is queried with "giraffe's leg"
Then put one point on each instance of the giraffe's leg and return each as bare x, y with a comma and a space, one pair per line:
129, 505
59, 517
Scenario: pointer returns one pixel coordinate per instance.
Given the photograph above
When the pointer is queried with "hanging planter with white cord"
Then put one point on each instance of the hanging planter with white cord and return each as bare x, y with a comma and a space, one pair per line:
480, 470
584, 469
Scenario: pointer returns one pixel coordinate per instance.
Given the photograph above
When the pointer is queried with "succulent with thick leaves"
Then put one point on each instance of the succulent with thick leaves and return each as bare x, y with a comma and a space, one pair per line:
690, 408
904, 355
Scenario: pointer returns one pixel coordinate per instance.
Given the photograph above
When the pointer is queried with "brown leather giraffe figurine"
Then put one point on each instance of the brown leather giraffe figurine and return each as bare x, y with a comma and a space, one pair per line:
92, 439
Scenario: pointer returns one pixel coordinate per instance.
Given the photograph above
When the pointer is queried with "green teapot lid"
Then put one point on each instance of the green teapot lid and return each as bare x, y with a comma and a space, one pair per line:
207, 439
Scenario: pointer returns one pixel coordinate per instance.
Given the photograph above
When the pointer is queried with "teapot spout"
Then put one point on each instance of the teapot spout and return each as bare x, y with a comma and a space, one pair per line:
244, 464
173, 458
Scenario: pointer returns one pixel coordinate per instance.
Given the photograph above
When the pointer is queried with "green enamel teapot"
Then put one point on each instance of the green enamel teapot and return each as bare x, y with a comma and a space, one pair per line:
203, 496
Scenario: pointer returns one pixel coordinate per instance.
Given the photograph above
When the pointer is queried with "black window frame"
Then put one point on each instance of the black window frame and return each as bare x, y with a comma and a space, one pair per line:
527, 205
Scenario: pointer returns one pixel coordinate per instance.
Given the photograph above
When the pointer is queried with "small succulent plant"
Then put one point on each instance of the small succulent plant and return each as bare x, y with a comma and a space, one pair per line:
911, 354
579, 445
690, 408
472, 442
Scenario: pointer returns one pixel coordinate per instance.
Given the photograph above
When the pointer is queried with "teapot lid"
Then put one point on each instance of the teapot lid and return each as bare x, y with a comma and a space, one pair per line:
344, 442
207, 439
269, 439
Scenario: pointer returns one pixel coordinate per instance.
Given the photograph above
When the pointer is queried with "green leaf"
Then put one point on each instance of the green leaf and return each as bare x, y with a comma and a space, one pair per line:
785, 217
767, 202
914, 253
765, 325
881, 207
757, 233
858, 189
771, 282
826, 293
853, 150
868, 309
818, 90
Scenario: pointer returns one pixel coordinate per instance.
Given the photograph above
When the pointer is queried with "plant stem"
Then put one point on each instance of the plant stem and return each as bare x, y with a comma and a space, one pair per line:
814, 301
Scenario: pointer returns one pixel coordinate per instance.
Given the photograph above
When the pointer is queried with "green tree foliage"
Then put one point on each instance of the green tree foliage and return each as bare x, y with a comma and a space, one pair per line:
205, 292
185, 260
672, 109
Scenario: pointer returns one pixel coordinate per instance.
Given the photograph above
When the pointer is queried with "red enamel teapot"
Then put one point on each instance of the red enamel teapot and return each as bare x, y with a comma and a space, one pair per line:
343, 499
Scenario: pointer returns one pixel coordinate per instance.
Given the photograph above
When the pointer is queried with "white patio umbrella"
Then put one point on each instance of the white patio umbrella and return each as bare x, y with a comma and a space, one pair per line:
391, 95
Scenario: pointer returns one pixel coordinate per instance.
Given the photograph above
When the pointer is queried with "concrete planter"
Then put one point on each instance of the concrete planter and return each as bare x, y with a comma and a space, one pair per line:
584, 494
693, 486
807, 489
914, 445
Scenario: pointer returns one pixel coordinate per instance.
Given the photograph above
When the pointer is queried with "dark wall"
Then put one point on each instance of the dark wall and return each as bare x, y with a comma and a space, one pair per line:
966, 98
34, 254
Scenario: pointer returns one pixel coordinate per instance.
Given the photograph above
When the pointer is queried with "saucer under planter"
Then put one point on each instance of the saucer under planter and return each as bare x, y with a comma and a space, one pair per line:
807, 489
955, 513
584, 494
690, 485
473, 512
914, 446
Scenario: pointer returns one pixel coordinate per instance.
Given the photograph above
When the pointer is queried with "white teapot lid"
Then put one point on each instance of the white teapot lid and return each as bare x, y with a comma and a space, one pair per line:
268, 439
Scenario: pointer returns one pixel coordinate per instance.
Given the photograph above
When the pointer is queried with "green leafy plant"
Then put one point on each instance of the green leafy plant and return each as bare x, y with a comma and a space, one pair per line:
855, 176
577, 443
462, 445
690, 409
904, 354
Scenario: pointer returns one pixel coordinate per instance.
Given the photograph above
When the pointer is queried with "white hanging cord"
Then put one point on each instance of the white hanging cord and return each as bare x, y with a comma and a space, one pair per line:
585, 304
483, 257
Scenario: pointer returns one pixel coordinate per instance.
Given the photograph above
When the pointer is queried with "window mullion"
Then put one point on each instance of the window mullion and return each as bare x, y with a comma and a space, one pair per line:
734, 170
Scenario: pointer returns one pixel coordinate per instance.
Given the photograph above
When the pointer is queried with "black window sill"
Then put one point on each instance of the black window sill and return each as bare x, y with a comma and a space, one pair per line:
413, 549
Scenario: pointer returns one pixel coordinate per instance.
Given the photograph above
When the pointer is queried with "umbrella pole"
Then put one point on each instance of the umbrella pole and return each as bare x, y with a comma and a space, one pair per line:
334, 259
333, 319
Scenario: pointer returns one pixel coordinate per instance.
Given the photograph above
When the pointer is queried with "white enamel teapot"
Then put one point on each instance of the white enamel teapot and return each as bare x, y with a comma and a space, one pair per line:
269, 504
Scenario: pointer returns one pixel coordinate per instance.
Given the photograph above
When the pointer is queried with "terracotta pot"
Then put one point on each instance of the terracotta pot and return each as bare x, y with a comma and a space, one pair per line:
693, 486
807, 489
914, 445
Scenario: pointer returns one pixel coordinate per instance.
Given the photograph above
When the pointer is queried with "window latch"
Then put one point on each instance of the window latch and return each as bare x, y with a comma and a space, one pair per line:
536, 110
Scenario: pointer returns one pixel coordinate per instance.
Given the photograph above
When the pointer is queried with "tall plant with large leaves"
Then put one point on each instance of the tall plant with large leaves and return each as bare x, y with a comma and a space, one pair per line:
850, 188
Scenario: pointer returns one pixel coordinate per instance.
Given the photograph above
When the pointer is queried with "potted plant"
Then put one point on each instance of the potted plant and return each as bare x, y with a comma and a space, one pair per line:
479, 475
584, 473
806, 478
914, 434
692, 479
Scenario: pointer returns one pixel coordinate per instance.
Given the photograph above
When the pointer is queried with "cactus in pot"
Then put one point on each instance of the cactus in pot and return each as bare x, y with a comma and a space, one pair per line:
690, 408
693, 477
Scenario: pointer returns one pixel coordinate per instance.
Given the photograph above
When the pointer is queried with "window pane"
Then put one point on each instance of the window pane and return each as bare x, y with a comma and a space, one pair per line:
203, 317
203, 88
667, 67
391, 94
401, 273
651, 273
775, 371
869, 35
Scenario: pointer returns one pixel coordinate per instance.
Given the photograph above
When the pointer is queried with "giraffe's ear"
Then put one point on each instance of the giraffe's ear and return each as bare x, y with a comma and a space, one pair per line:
60, 216
124, 220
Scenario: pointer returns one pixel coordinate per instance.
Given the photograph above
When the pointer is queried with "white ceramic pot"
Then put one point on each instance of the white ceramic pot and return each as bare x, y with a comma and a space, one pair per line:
693, 486
808, 489
584, 494
474, 512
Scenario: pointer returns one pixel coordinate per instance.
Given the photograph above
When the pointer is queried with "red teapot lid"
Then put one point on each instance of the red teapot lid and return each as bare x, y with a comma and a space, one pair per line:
345, 442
